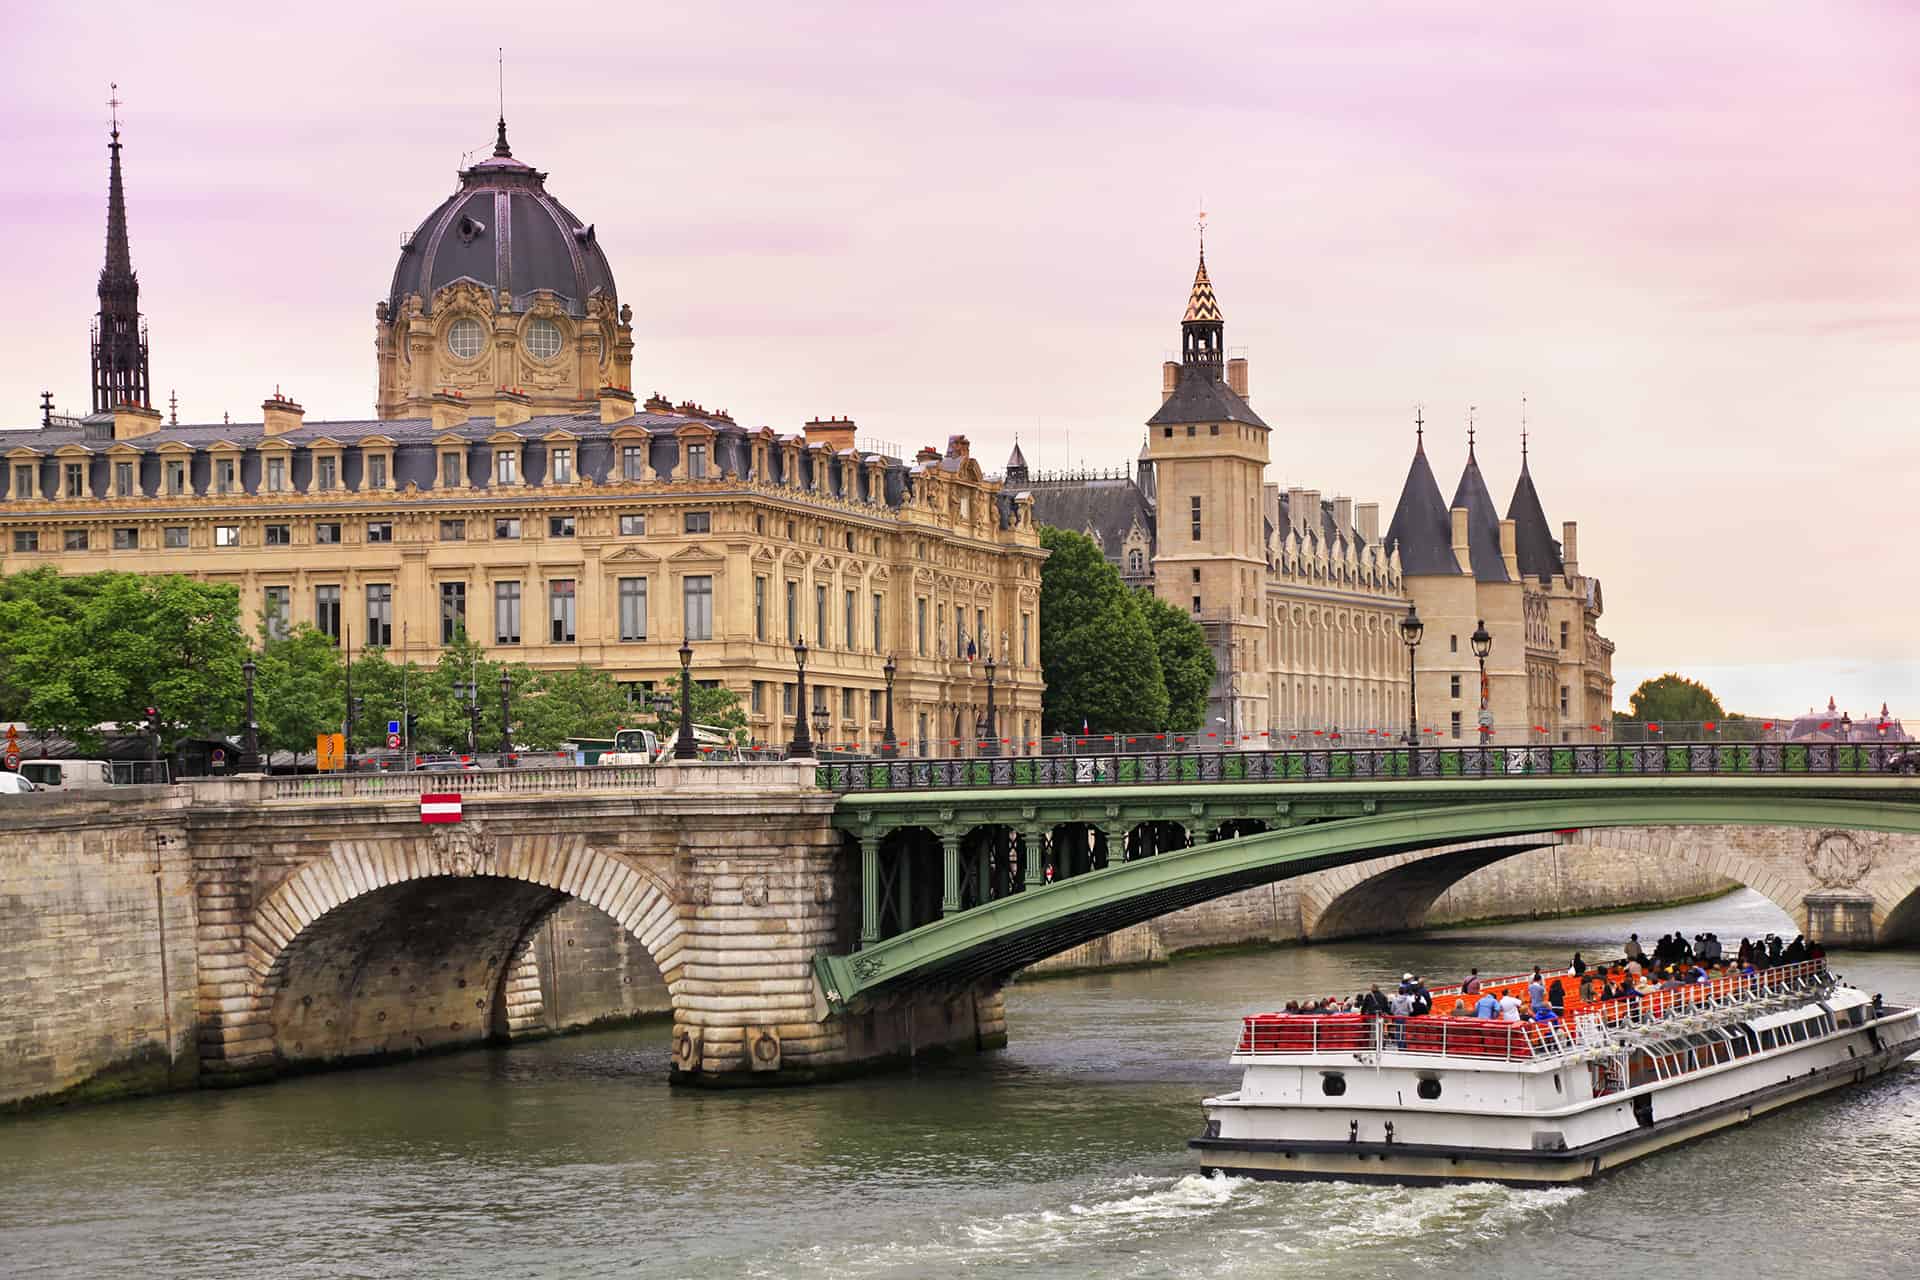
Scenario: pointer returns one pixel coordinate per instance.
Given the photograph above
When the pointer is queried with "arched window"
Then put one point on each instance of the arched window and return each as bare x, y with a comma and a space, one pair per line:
1136, 562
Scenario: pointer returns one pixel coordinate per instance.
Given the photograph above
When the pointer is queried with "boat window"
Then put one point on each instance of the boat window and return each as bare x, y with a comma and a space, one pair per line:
1332, 1083
1556, 1082
1429, 1087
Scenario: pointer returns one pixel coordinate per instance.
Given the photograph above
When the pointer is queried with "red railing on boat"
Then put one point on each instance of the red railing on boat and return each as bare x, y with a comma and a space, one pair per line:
1442, 1035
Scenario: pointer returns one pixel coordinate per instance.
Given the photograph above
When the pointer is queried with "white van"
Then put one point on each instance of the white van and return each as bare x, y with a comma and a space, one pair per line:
66, 775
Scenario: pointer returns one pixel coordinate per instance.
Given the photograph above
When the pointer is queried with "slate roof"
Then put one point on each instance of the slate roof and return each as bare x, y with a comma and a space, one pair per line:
1483, 523
1109, 507
1201, 304
1201, 396
1421, 528
1538, 550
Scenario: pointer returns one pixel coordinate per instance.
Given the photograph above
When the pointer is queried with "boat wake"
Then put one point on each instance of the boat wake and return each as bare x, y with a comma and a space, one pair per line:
1213, 1225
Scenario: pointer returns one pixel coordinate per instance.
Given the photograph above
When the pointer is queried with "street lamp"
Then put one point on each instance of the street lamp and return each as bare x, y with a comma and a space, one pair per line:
991, 745
684, 747
889, 745
801, 748
1846, 726
1411, 629
506, 719
250, 757
820, 721
1482, 642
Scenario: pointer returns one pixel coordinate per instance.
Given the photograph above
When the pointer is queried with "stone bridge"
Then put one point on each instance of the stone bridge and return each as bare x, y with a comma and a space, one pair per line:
226, 931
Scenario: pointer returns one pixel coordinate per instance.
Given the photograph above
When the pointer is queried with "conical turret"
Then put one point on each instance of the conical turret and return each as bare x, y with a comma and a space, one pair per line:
1537, 550
1421, 532
1483, 522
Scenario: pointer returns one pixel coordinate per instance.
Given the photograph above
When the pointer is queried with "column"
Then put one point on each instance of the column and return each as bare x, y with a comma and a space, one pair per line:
903, 886
950, 848
869, 890
984, 878
1033, 856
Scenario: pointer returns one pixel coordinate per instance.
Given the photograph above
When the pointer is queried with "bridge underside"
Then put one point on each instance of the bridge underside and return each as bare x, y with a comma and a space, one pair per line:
991, 941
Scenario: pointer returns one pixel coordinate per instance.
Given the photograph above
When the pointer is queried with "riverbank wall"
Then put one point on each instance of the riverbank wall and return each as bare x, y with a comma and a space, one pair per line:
1588, 873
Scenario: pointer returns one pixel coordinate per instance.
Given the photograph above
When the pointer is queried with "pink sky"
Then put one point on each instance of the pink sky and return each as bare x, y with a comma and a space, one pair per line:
1686, 237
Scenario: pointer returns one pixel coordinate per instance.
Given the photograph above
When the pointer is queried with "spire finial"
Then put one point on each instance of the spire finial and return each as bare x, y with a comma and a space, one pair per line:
173, 408
500, 138
1201, 222
46, 408
1523, 430
1419, 428
1471, 410
113, 104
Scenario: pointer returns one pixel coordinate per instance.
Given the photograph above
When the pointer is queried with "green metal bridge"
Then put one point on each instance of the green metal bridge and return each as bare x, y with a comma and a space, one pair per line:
973, 869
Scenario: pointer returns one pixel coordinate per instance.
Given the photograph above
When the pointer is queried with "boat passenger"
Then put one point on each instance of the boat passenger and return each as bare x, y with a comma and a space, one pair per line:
1509, 1008
1422, 998
1460, 1009
1373, 1004
1471, 987
1488, 1006
1579, 967
1557, 996
1796, 950
1536, 990
1744, 957
1633, 948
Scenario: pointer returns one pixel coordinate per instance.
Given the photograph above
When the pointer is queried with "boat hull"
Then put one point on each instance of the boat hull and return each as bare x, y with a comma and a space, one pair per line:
1414, 1164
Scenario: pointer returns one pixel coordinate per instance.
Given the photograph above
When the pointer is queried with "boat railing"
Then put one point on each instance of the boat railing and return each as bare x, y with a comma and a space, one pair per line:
1592, 1028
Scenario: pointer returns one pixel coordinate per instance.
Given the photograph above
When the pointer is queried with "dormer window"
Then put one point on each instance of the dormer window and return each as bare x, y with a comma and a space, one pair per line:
376, 471
506, 467
633, 461
276, 475
176, 477
696, 462
76, 480
326, 473
450, 469
226, 475
123, 486
23, 485
562, 465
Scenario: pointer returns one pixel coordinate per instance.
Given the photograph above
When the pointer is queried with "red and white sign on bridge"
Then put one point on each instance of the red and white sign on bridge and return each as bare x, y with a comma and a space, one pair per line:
440, 806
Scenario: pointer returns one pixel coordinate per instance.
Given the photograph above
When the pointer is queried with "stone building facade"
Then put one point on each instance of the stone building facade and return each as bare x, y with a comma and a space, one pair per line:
511, 487
1301, 596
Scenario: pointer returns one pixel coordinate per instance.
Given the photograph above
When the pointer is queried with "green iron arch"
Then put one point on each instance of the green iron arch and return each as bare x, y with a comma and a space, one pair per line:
1006, 935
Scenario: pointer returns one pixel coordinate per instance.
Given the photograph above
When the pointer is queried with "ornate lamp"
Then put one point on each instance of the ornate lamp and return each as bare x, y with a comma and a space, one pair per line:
684, 747
889, 745
801, 748
1411, 630
1482, 642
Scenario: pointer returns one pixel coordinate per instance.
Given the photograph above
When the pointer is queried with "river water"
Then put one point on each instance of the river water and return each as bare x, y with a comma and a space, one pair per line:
1062, 1156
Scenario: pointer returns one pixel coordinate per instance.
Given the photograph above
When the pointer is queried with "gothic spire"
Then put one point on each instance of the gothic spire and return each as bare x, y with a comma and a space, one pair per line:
119, 339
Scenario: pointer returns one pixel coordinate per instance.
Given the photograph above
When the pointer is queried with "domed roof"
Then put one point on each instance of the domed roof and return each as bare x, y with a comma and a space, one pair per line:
503, 231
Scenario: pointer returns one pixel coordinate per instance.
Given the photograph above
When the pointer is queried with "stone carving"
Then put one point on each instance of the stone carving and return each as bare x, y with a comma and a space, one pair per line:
823, 890
865, 966
461, 849
754, 891
1839, 859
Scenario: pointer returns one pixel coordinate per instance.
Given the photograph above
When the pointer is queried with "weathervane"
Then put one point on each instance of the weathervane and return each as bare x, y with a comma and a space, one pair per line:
113, 105
1523, 426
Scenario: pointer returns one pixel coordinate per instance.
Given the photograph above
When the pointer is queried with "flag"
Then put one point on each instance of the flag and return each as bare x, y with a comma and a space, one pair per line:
970, 649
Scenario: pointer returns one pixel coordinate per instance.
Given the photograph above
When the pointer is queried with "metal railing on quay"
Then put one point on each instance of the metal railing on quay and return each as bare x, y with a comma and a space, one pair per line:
348, 786
1335, 764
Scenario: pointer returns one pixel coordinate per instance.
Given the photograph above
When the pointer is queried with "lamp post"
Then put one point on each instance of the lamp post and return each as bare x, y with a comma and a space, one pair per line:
889, 745
469, 690
821, 719
1411, 629
506, 719
1482, 642
990, 746
1846, 726
250, 751
801, 748
684, 747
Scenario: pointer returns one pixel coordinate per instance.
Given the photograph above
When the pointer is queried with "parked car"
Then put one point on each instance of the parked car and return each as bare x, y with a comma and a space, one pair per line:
1907, 762
67, 775
12, 784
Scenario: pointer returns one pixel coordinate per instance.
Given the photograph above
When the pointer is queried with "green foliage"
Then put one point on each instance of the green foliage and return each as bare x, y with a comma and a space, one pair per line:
1186, 663
1675, 698
714, 705
1097, 650
582, 702
79, 652
297, 689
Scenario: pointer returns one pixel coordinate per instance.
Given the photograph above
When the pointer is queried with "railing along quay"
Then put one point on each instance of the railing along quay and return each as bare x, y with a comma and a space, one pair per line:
1358, 764
468, 782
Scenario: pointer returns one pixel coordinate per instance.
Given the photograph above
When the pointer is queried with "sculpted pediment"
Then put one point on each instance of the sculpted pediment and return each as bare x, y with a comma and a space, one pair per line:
697, 552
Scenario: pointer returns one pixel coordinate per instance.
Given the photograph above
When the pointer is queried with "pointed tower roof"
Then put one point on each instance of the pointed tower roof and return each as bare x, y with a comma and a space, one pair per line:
118, 268
1538, 551
1483, 523
1201, 304
1421, 530
1017, 464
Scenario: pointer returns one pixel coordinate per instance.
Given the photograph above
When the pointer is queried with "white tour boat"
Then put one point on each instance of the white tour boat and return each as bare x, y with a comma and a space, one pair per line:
1449, 1099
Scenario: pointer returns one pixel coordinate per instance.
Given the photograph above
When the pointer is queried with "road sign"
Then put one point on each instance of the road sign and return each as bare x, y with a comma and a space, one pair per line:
330, 751
393, 741
393, 727
219, 758
12, 759
440, 806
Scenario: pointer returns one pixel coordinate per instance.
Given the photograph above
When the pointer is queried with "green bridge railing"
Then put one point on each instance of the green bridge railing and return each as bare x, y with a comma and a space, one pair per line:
1673, 759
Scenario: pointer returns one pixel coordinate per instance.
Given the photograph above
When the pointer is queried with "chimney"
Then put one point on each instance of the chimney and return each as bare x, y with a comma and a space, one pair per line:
1570, 546
1343, 517
281, 415
1237, 376
1368, 515
131, 421
959, 447
837, 433
1296, 506
511, 407
616, 404
1310, 523
1462, 553
1169, 380
450, 409
1508, 552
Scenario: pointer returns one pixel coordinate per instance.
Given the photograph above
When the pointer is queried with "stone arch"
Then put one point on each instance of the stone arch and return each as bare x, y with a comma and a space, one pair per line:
540, 873
1901, 924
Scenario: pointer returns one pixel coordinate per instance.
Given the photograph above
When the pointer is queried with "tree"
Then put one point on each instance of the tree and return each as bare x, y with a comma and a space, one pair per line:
580, 702
714, 705
1097, 651
1674, 698
1186, 662
298, 689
